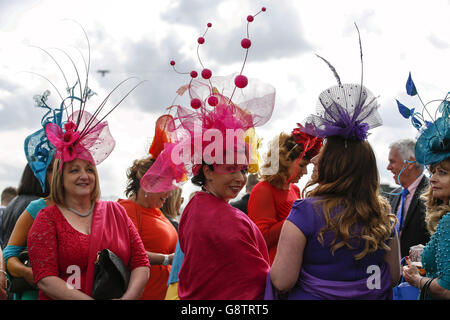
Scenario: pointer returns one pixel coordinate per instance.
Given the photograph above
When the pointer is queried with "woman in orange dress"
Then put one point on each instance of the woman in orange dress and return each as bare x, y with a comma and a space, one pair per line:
156, 231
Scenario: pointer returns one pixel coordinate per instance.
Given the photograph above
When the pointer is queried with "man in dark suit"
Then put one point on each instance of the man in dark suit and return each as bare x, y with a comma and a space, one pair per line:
406, 203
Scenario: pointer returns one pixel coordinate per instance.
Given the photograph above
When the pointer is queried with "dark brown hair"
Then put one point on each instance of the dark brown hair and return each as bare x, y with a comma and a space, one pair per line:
29, 184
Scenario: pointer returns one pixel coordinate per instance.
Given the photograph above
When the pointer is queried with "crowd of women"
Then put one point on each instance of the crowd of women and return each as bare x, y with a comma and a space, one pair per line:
322, 243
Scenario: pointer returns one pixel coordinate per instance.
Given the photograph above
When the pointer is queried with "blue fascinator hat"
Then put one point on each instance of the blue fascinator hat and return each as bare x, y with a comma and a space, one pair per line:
433, 143
38, 149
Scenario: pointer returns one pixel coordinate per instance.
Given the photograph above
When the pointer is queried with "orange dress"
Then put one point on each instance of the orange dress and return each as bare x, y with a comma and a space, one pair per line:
159, 236
268, 207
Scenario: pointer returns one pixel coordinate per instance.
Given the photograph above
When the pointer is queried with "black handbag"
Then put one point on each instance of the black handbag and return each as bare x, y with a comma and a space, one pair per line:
20, 285
111, 276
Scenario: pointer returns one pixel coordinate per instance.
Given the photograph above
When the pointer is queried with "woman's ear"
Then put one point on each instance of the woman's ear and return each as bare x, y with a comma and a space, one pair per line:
208, 173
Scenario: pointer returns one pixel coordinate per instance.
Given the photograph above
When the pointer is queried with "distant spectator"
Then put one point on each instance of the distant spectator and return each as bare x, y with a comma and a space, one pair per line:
242, 203
29, 189
172, 205
7, 195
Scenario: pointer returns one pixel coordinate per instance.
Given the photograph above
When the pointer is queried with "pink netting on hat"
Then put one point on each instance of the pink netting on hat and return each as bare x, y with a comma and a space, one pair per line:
215, 127
255, 102
90, 141
167, 173
217, 133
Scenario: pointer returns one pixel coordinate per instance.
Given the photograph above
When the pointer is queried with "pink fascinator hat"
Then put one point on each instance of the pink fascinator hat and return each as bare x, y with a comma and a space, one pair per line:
217, 125
81, 135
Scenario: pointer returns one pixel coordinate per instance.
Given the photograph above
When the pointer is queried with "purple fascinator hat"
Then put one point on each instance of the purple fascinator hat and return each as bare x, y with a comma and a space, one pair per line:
348, 110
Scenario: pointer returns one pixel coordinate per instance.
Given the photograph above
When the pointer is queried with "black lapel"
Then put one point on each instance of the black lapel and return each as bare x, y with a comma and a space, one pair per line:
414, 201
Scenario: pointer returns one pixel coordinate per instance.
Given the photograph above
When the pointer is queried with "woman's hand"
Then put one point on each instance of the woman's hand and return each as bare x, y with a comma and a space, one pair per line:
411, 274
138, 279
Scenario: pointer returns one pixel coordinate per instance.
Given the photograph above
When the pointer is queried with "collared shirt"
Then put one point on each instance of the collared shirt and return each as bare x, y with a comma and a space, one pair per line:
412, 189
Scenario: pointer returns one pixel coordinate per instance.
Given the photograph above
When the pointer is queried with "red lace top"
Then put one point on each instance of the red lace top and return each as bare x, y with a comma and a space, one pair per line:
57, 249
268, 207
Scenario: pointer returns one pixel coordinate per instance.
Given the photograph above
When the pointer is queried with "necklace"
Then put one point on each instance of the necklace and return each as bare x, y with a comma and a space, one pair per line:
82, 214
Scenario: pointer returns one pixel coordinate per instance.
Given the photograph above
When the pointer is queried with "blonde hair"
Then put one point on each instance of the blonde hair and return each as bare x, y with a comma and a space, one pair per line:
288, 152
57, 192
135, 174
172, 204
435, 208
348, 181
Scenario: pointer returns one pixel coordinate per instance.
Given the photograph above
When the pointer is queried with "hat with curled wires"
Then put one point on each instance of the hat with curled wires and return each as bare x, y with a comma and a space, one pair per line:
218, 125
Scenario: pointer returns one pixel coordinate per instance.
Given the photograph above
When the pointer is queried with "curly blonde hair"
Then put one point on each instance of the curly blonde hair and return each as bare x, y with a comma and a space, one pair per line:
288, 152
348, 181
435, 208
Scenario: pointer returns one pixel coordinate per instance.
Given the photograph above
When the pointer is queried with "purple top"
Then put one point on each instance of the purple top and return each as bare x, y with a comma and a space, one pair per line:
320, 263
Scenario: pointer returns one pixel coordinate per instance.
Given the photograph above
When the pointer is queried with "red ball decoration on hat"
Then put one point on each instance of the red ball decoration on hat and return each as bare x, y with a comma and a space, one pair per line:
172, 63
263, 9
213, 101
196, 103
206, 74
194, 74
250, 18
246, 43
241, 81
201, 40
209, 25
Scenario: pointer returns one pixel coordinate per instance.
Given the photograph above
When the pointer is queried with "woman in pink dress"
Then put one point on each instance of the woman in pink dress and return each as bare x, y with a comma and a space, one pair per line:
66, 237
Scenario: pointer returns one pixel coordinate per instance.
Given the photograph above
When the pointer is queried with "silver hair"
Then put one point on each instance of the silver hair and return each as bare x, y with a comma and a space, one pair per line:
405, 148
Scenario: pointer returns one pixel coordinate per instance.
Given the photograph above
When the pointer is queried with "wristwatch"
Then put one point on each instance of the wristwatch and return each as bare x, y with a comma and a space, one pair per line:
166, 260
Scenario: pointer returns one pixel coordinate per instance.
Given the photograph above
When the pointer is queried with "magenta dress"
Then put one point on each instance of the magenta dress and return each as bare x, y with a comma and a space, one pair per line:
225, 255
324, 275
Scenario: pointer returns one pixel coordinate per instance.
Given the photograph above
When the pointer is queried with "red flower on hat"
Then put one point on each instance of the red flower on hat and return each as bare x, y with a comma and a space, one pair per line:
310, 143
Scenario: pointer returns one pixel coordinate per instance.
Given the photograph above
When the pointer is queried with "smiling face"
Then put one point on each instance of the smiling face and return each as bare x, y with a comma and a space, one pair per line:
440, 180
79, 178
224, 182
156, 200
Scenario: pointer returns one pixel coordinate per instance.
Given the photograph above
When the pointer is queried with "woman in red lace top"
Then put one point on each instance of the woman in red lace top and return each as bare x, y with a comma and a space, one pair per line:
271, 199
65, 238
